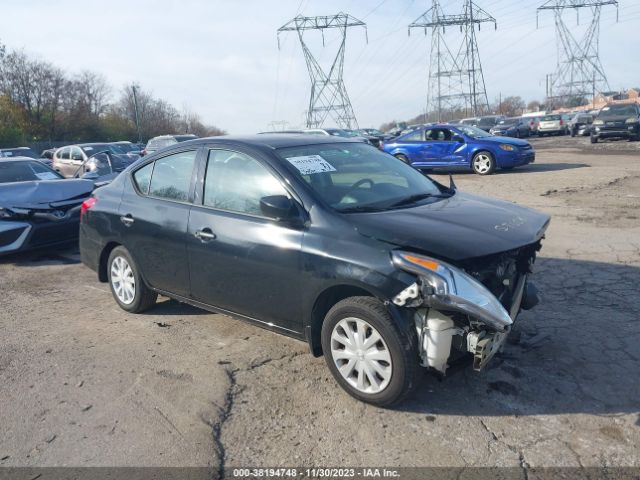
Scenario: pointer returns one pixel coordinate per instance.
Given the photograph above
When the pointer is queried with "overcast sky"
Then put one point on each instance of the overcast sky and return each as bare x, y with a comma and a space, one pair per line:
220, 58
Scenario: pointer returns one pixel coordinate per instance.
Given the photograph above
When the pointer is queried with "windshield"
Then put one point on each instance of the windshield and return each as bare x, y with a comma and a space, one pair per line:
619, 110
509, 121
93, 149
18, 152
473, 132
158, 143
25, 172
356, 177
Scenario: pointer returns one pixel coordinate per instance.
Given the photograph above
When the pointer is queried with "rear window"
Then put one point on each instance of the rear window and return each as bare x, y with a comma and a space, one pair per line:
25, 172
550, 118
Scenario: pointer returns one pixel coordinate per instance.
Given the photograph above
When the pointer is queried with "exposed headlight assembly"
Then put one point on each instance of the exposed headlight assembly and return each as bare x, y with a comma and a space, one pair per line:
598, 122
507, 147
631, 120
448, 288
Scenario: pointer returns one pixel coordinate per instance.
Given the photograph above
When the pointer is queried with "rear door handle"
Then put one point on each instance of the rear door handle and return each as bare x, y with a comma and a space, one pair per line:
205, 235
127, 220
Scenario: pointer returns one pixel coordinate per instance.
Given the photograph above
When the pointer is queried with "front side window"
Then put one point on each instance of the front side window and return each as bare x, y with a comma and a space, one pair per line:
416, 136
171, 177
358, 177
236, 182
438, 135
64, 153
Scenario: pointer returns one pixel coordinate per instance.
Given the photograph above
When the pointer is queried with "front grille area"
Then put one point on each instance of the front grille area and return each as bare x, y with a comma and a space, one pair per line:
54, 233
10, 236
500, 272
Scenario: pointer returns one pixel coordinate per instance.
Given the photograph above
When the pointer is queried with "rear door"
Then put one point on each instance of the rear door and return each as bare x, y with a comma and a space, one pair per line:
240, 260
155, 216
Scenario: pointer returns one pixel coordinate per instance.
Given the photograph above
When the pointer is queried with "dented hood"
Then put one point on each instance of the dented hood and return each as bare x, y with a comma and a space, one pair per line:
43, 192
456, 228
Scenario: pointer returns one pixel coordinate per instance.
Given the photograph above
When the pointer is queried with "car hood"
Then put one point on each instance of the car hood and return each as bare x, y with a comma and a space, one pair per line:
615, 118
457, 228
44, 192
509, 141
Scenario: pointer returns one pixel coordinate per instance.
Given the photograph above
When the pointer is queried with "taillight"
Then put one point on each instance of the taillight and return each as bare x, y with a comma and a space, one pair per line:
561, 122
381, 145
86, 205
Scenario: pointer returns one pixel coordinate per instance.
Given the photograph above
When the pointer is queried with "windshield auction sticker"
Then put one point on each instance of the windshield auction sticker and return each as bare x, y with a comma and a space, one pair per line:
310, 164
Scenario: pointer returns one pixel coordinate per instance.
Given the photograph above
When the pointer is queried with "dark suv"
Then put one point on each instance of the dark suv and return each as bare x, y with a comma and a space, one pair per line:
617, 121
324, 239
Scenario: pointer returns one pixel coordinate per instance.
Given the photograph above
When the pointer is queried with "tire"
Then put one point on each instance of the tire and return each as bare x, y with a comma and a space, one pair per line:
142, 297
594, 139
402, 158
483, 163
398, 347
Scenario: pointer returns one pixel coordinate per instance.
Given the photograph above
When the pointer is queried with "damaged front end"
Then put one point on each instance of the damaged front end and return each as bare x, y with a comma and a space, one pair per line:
466, 309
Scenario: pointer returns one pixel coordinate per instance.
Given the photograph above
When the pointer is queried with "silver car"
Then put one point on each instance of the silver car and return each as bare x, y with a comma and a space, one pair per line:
552, 124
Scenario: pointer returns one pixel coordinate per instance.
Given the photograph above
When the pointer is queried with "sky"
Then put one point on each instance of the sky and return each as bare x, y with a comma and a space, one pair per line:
220, 58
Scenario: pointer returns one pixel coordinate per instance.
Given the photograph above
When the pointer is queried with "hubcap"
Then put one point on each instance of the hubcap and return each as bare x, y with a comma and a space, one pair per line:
361, 355
482, 163
122, 280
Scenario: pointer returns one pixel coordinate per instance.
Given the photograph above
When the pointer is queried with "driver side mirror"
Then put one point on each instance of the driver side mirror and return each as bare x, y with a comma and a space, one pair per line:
278, 207
457, 138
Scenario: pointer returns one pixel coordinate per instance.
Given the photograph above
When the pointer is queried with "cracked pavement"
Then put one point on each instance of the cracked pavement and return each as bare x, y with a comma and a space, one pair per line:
84, 383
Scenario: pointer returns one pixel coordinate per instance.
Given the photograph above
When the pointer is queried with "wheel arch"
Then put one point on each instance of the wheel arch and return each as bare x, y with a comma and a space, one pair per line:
102, 262
323, 303
334, 294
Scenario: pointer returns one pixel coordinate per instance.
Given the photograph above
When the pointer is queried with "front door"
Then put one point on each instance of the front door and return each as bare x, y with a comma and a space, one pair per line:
154, 219
444, 150
240, 260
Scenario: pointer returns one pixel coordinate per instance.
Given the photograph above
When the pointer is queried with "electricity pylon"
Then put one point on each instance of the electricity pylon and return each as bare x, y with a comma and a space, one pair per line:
579, 73
328, 94
456, 81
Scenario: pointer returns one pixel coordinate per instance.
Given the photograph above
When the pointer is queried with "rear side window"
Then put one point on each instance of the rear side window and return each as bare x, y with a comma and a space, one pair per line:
171, 178
142, 177
237, 182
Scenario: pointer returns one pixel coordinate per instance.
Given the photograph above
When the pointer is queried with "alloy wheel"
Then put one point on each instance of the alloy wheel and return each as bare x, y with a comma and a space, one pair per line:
122, 280
361, 355
482, 163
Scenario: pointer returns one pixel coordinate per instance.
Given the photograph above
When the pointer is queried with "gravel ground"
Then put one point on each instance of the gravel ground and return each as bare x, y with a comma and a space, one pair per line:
85, 384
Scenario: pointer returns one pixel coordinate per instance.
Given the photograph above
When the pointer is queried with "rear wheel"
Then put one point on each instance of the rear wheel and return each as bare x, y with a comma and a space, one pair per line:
367, 353
594, 139
483, 163
127, 287
402, 158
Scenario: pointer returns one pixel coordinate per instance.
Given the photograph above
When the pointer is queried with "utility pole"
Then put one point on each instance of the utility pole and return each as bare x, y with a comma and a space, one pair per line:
134, 88
328, 93
579, 71
455, 71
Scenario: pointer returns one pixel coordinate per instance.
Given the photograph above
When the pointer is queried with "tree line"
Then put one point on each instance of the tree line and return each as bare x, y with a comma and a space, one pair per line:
40, 103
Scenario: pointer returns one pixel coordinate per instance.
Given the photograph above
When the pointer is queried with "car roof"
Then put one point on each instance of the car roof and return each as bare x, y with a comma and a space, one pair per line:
19, 159
269, 140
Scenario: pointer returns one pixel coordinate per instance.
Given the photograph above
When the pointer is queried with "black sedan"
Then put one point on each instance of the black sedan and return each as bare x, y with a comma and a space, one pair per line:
325, 239
38, 208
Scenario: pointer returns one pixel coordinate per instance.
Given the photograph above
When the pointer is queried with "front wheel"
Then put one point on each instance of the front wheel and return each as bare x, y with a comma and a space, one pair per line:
483, 163
368, 354
594, 139
127, 287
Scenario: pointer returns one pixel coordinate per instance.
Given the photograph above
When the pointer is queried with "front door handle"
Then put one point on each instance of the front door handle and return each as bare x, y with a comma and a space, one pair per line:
205, 235
127, 220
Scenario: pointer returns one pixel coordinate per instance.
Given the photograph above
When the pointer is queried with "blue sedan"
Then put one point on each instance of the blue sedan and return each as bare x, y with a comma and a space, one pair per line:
445, 145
